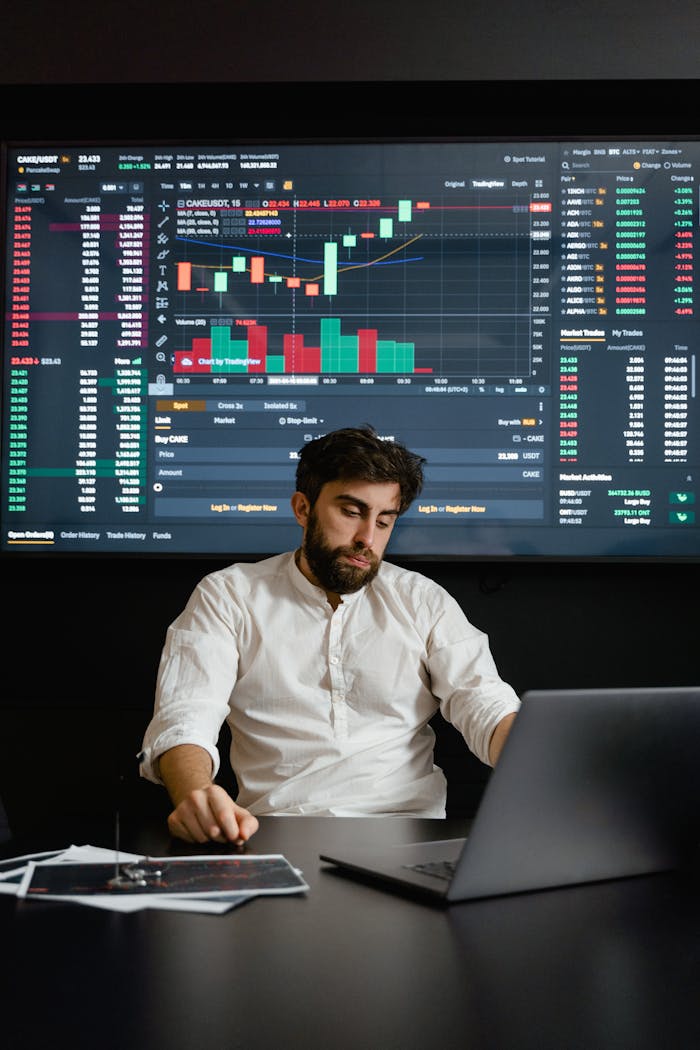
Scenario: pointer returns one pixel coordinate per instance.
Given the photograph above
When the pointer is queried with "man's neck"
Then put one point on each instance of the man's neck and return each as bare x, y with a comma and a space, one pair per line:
334, 599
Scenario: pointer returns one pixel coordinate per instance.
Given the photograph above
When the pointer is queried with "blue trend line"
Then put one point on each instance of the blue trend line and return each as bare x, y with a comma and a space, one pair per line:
294, 258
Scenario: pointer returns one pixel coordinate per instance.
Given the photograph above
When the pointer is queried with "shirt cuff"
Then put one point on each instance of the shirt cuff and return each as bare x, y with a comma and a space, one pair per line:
149, 757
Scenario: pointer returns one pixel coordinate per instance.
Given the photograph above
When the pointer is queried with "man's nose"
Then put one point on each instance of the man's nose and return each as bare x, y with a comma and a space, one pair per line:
364, 534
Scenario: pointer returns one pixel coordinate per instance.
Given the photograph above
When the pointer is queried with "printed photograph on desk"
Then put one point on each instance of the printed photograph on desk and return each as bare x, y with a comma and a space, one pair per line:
176, 876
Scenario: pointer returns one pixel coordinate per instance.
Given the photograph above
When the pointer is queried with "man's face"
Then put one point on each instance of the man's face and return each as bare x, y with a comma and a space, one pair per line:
346, 532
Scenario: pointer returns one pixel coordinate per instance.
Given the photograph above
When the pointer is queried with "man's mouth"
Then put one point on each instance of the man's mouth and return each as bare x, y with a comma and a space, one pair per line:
359, 560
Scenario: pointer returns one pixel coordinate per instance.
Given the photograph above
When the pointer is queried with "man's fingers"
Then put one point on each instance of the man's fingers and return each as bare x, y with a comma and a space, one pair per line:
247, 823
186, 825
192, 822
178, 829
234, 823
224, 812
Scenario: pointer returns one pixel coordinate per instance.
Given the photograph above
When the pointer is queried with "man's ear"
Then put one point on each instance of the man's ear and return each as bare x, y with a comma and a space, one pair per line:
301, 508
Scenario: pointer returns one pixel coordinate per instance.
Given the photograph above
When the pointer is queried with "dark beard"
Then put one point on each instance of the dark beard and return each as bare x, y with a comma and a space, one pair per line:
325, 564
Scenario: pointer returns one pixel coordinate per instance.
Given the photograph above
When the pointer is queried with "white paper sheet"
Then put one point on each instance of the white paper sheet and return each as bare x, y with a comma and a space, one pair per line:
15, 874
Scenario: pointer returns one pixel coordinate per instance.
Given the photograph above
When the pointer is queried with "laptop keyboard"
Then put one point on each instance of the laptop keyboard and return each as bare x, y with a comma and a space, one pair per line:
440, 869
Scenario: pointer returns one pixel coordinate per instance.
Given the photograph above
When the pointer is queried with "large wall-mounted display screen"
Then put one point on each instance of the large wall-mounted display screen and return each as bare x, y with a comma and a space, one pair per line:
179, 319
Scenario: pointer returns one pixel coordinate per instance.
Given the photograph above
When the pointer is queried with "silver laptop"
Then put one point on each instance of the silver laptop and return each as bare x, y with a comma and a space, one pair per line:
591, 784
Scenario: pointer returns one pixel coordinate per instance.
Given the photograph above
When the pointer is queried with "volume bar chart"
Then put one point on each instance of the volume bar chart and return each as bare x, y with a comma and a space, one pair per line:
224, 351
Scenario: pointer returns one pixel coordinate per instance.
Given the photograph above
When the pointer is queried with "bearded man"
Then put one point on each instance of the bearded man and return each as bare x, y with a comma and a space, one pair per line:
327, 663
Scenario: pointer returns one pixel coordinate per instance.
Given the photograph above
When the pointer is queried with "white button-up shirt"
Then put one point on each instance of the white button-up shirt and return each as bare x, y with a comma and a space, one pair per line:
328, 710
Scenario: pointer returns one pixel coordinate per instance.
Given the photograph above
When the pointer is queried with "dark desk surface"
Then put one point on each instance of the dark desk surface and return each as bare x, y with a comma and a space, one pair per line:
349, 966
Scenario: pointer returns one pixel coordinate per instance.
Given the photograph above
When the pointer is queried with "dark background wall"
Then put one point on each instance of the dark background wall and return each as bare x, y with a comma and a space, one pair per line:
82, 638
244, 40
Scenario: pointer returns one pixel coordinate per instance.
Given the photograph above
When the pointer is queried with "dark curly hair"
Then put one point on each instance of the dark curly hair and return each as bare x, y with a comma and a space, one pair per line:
358, 453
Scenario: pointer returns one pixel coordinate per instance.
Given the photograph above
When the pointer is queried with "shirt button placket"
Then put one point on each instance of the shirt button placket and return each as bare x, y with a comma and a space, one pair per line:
339, 711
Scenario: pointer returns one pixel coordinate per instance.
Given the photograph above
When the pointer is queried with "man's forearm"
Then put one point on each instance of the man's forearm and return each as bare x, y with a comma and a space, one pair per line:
183, 769
499, 736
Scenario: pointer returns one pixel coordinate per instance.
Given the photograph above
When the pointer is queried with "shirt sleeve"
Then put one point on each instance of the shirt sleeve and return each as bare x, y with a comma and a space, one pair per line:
196, 674
472, 695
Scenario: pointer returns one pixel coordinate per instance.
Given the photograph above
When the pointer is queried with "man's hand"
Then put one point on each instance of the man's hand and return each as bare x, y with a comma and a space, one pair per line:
210, 814
203, 811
